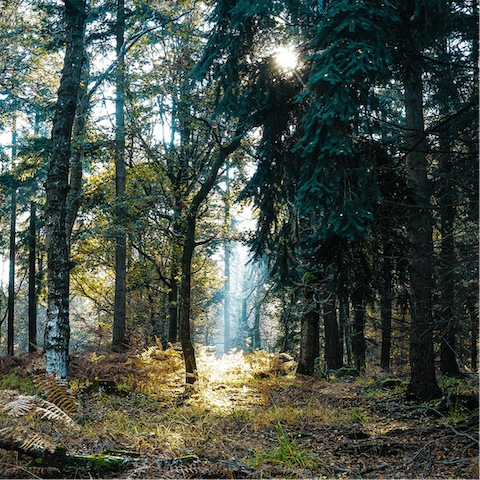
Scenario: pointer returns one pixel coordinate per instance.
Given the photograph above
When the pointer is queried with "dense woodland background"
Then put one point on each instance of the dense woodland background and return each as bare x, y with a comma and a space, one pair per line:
164, 179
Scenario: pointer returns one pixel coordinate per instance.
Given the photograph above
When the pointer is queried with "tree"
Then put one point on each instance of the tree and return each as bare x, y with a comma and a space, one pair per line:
447, 94
309, 331
12, 247
57, 329
120, 212
32, 281
226, 308
422, 382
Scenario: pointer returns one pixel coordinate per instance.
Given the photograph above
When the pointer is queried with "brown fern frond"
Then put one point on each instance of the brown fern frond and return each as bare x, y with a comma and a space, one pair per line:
19, 405
56, 391
7, 395
202, 471
55, 414
38, 441
25, 439
45, 472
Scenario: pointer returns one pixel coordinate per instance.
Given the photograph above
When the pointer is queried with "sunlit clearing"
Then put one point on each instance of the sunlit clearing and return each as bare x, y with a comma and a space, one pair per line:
223, 381
286, 58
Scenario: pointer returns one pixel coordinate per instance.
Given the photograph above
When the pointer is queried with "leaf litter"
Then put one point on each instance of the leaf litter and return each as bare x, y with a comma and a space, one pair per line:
249, 416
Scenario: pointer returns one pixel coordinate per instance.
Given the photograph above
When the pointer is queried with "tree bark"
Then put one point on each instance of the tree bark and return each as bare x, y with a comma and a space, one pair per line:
359, 346
173, 308
32, 281
76, 166
473, 315
119, 327
57, 328
423, 383
386, 304
448, 320
12, 248
344, 324
227, 307
175, 271
333, 343
309, 335
226, 313
11, 275
185, 300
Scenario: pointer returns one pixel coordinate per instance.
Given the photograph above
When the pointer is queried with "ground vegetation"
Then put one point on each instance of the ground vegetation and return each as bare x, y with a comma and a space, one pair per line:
130, 415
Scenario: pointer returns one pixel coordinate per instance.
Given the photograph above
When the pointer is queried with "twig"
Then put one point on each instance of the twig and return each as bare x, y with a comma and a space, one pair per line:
460, 434
427, 445
460, 460
428, 408
456, 433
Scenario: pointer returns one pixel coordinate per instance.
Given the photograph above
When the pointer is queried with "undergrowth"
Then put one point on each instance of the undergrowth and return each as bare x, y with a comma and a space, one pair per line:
248, 408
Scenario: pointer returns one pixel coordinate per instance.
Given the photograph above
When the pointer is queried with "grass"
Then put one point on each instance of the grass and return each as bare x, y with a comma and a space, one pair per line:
280, 426
22, 383
286, 453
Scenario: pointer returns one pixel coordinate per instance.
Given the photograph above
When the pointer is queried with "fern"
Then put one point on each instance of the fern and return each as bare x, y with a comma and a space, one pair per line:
56, 414
26, 439
56, 391
19, 405
16, 405
37, 441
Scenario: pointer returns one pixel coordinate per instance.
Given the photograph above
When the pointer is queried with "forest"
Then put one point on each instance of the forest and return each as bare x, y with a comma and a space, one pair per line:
239, 238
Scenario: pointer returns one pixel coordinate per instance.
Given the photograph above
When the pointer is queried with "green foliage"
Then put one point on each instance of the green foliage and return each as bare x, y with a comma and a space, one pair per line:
287, 454
13, 381
356, 415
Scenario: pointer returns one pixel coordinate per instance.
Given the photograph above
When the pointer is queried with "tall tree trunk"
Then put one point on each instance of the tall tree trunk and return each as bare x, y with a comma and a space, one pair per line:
386, 304
333, 341
309, 335
173, 307
57, 328
476, 91
344, 324
175, 270
448, 321
284, 322
11, 276
78, 153
188, 246
359, 346
473, 315
12, 247
227, 307
257, 339
120, 178
185, 300
226, 304
32, 281
423, 383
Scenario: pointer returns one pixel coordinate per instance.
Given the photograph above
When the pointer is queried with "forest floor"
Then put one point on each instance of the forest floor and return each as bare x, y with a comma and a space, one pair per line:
248, 416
